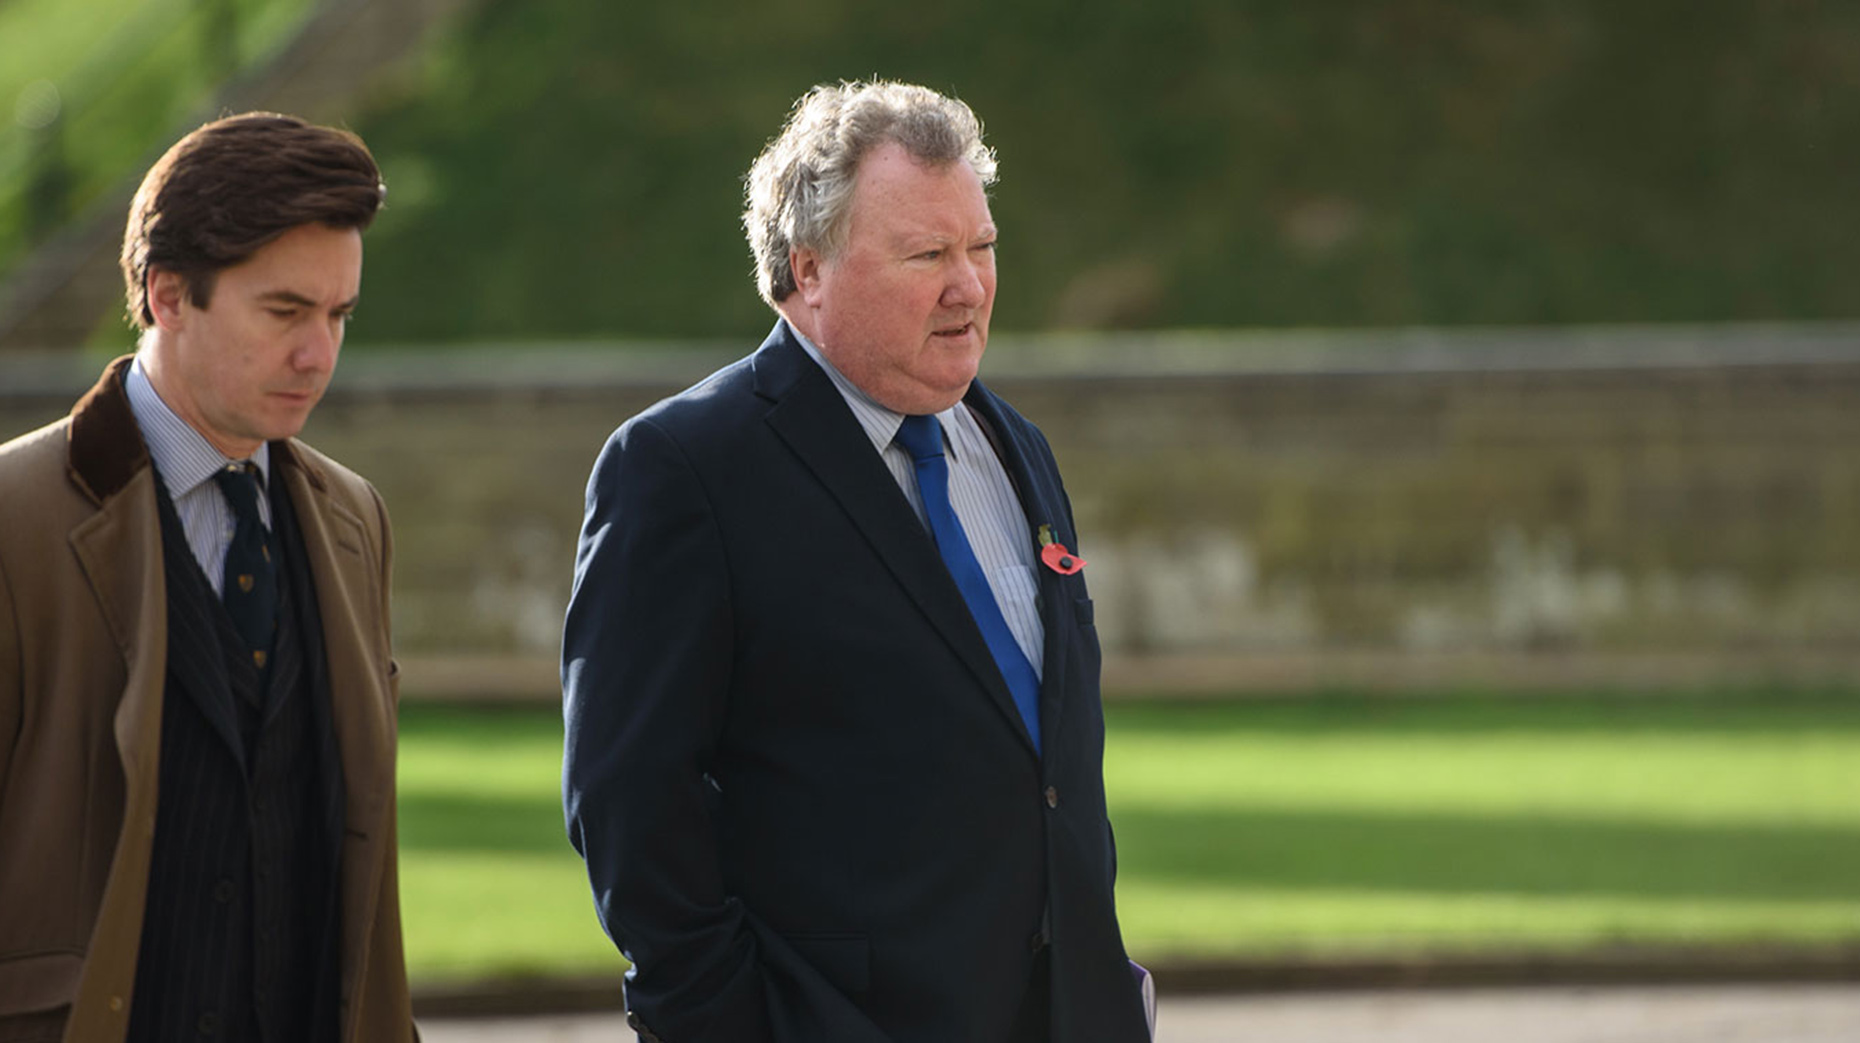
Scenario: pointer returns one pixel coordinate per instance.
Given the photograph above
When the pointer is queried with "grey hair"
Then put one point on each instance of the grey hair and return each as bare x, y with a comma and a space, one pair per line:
798, 193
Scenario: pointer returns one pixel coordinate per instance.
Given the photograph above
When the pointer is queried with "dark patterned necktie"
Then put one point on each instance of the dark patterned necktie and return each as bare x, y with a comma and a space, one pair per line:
250, 590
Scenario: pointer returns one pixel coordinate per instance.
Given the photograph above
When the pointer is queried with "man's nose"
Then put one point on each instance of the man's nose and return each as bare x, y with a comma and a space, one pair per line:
320, 344
965, 288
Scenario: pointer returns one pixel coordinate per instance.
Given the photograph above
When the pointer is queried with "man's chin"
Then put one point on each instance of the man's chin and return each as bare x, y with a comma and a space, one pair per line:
282, 428
936, 399
919, 398
289, 413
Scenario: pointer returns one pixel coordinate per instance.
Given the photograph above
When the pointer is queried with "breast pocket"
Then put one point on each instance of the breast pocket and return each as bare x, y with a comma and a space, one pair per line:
1017, 590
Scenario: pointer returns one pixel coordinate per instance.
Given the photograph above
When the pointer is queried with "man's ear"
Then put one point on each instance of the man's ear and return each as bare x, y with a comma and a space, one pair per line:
168, 296
806, 264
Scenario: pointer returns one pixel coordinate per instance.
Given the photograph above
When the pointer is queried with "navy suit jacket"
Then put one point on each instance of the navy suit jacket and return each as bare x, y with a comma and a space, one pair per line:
809, 809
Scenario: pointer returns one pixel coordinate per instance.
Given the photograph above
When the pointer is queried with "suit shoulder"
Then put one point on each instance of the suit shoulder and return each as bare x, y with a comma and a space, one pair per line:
705, 411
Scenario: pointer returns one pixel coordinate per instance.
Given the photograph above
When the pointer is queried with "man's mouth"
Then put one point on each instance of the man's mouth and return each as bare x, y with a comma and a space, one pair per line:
955, 331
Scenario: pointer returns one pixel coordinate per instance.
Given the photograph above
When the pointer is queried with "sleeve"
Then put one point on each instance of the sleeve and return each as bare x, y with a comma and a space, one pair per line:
646, 665
387, 591
12, 684
387, 913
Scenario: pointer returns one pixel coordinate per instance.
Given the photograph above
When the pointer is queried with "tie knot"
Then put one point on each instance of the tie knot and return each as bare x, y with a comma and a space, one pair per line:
921, 436
240, 486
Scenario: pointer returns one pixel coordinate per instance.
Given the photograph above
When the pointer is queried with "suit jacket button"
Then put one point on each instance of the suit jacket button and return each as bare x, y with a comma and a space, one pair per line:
1052, 796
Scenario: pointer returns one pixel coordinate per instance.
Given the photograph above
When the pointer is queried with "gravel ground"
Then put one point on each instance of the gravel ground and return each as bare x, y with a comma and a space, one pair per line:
1716, 1014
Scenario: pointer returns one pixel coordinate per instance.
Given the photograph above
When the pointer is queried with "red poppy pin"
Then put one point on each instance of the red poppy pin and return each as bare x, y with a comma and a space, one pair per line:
1055, 555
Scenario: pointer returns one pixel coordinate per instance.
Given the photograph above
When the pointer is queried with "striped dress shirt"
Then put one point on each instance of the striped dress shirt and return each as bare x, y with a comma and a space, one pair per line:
979, 490
187, 462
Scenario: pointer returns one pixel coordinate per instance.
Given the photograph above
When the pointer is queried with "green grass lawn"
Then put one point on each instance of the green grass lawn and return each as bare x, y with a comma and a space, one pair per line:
1310, 827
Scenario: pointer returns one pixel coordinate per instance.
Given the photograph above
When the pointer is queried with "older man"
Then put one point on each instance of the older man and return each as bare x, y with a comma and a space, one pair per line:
196, 690
834, 740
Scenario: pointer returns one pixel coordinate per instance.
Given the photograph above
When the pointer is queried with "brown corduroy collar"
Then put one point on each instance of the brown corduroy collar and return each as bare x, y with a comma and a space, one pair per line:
105, 443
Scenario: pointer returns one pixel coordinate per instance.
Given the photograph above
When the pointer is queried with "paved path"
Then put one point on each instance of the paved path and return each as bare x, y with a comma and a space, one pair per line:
1718, 1014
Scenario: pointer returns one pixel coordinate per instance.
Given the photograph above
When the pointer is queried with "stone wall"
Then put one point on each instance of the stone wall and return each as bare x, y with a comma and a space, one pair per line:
1511, 508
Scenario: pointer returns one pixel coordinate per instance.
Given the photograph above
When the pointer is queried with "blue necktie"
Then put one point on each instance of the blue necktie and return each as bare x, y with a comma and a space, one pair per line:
922, 437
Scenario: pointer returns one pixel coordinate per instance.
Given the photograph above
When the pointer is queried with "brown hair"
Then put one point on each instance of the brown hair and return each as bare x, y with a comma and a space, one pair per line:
232, 186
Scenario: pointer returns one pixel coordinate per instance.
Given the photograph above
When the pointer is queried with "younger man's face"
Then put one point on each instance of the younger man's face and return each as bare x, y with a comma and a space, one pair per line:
249, 367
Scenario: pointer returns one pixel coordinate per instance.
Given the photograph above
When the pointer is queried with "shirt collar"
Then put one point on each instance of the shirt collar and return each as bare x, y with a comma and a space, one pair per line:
183, 455
880, 423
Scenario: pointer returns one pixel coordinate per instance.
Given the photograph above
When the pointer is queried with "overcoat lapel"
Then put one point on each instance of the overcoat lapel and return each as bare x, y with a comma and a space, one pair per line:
120, 553
121, 556
361, 708
811, 417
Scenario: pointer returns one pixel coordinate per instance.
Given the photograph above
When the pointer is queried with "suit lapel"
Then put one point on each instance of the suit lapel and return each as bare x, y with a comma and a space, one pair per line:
196, 656
1042, 503
811, 417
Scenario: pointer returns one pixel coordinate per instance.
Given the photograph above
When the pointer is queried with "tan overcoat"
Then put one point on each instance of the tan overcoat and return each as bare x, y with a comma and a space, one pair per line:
83, 656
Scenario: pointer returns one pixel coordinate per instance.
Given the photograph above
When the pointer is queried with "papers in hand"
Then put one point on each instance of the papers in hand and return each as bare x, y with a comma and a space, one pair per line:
1147, 985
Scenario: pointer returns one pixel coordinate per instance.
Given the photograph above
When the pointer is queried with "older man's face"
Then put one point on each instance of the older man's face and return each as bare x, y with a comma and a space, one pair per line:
903, 309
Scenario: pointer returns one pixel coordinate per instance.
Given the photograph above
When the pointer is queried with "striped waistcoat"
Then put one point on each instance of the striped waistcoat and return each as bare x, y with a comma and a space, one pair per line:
239, 934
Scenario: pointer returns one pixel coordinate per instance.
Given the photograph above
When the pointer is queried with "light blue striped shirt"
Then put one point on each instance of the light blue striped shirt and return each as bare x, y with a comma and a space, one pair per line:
979, 490
187, 462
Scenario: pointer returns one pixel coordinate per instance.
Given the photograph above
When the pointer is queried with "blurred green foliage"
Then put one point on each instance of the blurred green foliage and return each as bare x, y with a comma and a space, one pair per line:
562, 169
115, 79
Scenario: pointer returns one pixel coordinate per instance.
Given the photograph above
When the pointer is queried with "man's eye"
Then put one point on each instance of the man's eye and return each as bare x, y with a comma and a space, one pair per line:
282, 313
